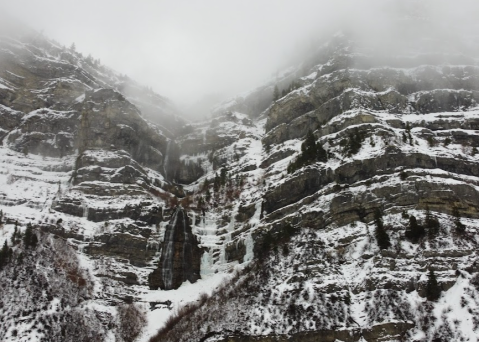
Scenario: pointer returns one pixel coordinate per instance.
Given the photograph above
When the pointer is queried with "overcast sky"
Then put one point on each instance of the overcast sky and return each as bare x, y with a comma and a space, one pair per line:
188, 49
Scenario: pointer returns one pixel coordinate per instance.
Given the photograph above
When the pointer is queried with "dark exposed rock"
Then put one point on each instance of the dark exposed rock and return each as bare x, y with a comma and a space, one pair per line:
377, 333
128, 175
352, 335
122, 245
69, 206
289, 109
386, 331
245, 212
146, 212
118, 123
235, 251
70, 116
210, 142
300, 185
249, 167
276, 156
380, 90
180, 255
128, 278
46, 132
60, 231
445, 100
346, 208
311, 180
189, 172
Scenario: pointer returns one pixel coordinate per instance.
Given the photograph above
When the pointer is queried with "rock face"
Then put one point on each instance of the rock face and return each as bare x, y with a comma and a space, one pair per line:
76, 145
376, 333
57, 106
180, 255
297, 250
189, 172
124, 242
319, 272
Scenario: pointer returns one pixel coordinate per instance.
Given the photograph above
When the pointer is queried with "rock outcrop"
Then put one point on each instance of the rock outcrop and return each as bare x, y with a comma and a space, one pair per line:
294, 249
401, 140
180, 255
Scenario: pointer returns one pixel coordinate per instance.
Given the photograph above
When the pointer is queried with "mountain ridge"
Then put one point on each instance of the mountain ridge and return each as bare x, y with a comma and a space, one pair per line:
280, 249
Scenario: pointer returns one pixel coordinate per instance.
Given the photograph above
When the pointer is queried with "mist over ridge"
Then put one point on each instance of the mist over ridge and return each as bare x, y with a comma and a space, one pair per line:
198, 54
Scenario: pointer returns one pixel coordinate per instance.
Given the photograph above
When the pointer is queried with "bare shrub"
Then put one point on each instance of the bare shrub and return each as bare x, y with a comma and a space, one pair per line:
67, 260
131, 320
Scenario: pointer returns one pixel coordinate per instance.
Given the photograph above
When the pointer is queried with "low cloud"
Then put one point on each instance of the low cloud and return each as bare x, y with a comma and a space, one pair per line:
196, 52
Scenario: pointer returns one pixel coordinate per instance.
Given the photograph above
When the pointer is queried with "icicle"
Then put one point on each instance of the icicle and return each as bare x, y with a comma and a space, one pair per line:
206, 264
249, 243
85, 210
81, 248
231, 225
223, 256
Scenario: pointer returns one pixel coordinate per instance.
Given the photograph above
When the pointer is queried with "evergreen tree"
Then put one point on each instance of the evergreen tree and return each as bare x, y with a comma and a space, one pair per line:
206, 185
275, 93
321, 153
355, 142
217, 183
415, 231
310, 152
20, 258
433, 291
408, 131
431, 223
1, 216
381, 236
268, 242
352, 144
10, 254
34, 240
89, 59
208, 195
4, 255
460, 227
14, 235
27, 238
223, 174
308, 147
200, 202
293, 86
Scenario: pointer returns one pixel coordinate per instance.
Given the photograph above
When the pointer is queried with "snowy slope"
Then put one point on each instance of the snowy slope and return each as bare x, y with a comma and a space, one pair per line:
289, 251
